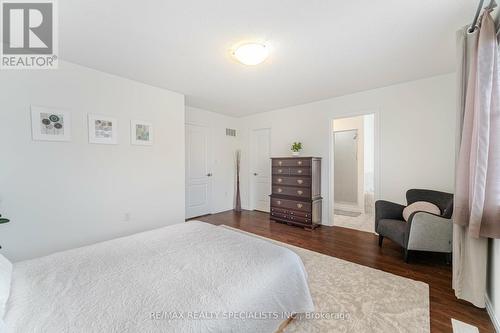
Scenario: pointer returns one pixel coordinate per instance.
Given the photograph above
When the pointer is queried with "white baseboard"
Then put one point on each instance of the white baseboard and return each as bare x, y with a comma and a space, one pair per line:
245, 207
491, 312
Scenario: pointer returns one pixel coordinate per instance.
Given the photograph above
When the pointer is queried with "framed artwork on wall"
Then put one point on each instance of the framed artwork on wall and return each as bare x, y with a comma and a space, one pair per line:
103, 129
141, 133
48, 124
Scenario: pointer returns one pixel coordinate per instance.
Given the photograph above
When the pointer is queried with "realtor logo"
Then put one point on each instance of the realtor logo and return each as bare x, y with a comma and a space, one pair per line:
29, 39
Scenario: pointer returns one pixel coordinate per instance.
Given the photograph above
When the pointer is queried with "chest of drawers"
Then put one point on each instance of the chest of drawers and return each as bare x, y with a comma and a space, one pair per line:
296, 191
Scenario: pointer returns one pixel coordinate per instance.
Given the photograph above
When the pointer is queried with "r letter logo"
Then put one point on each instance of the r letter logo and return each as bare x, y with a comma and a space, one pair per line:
29, 39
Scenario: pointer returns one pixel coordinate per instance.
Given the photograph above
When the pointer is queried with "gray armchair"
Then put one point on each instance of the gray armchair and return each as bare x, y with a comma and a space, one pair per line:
423, 231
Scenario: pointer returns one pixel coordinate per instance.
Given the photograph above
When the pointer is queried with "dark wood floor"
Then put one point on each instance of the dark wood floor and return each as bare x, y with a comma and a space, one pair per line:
362, 248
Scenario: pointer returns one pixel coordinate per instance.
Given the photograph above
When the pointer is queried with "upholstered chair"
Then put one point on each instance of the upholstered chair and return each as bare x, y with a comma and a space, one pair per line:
423, 231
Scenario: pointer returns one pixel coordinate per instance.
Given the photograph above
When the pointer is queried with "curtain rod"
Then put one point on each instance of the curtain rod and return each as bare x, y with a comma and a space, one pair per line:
492, 5
476, 17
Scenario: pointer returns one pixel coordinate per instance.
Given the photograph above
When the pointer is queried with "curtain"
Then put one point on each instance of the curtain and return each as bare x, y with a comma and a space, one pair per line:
476, 213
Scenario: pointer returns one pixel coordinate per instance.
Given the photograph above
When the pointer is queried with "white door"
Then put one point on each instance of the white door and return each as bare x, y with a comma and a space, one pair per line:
198, 174
261, 169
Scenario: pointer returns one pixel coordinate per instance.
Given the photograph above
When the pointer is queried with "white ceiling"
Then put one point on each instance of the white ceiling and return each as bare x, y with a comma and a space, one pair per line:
320, 48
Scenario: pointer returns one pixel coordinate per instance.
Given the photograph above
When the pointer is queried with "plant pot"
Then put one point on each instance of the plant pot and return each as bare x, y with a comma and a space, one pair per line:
295, 153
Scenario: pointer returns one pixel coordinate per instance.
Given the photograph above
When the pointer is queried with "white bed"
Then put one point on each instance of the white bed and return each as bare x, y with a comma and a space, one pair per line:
188, 269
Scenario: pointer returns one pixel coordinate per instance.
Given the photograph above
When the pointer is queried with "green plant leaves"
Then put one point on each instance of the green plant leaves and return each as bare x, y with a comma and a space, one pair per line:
296, 146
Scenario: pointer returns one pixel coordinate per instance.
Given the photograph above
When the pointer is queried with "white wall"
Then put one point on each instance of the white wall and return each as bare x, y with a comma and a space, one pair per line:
60, 195
417, 142
369, 151
222, 154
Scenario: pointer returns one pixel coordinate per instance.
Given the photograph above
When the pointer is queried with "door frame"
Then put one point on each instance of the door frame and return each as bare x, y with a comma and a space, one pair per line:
251, 191
376, 171
210, 165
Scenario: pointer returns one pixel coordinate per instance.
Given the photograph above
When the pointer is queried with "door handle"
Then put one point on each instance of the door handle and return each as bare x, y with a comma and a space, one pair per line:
209, 174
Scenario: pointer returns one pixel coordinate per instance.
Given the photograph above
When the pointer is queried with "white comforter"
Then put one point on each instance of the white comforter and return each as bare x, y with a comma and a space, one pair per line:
189, 277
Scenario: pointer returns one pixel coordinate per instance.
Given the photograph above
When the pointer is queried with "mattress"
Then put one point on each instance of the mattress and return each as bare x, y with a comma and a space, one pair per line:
188, 277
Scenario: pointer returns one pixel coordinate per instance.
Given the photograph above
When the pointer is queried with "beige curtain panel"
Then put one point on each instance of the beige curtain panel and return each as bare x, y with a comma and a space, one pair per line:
477, 198
477, 187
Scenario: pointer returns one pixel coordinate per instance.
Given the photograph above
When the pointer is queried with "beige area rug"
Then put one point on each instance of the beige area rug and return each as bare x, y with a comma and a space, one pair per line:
346, 213
362, 222
356, 298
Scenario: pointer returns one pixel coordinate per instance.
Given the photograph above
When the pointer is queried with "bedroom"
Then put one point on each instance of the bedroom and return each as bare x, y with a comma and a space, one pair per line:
131, 125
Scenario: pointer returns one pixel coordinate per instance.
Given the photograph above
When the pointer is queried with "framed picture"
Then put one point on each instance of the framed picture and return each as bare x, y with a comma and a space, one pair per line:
103, 129
49, 124
141, 133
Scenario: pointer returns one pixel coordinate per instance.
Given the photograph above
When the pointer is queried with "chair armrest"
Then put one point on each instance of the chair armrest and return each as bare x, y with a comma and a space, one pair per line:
429, 232
387, 210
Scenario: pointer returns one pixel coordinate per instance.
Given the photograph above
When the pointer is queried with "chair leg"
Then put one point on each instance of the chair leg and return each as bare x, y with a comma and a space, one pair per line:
406, 255
380, 240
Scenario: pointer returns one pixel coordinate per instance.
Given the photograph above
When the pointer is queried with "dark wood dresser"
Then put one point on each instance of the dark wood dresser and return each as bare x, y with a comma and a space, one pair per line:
296, 191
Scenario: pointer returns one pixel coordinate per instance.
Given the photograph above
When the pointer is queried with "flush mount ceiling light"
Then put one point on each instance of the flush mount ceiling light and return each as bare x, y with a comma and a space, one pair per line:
251, 53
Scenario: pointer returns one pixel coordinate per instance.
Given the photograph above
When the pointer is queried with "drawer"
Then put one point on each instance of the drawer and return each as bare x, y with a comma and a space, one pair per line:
301, 192
291, 204
279, 215
291, 218
300, 171
279, 210
281, 171
290, 162
299, 213
292, 181
300, 219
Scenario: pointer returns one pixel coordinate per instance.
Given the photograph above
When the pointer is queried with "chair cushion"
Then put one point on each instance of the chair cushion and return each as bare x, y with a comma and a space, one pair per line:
420, 206
393, 229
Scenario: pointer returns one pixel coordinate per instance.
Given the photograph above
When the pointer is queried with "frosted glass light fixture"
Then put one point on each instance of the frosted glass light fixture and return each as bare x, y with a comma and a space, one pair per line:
251, 53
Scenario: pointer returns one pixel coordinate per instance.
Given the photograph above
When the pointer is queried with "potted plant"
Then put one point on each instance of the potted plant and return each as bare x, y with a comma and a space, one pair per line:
3, 220
296, 148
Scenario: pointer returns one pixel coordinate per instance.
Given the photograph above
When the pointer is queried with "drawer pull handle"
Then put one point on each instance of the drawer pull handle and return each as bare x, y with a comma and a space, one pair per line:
280, 180
280, 190
299, 171
280, 162
278, 202
280, 170
299, 162
300, 181
299, 192
299, 205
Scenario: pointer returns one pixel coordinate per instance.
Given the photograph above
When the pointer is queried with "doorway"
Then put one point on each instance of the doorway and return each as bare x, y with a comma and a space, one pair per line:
260, 181
353, 172
346, 167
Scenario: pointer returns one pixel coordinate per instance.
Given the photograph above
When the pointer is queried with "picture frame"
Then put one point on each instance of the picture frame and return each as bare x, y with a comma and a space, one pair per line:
102, 129
50, 124
141, 133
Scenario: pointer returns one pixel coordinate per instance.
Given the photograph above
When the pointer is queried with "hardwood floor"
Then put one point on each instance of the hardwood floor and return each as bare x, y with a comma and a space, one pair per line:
362, 248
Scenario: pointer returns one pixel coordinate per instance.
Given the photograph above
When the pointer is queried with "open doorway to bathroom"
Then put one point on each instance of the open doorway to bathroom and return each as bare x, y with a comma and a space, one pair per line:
354, 172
